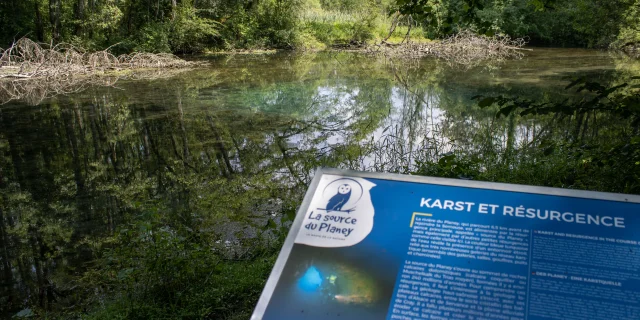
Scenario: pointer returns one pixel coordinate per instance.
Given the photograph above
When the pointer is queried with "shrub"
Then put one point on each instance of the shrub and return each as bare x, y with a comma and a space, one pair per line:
153, 269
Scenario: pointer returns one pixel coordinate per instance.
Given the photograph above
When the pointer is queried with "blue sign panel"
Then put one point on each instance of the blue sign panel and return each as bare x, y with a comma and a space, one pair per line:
381, 246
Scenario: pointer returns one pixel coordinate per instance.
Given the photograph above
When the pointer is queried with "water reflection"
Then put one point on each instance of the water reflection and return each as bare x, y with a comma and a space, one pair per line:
227, 147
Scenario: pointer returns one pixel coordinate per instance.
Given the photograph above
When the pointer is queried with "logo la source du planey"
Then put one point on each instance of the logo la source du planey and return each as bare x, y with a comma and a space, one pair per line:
343, 195
340, 214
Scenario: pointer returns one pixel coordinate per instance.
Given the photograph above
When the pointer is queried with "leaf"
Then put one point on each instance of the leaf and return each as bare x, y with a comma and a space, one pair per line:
549, 150
486, 102
122, 274
528, 111
270, 225
574, 82
506, 110
612, 89
592, 87
24, 313
291, 215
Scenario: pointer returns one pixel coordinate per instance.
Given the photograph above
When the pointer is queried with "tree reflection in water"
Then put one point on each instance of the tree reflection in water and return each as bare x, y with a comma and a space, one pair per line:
159, 195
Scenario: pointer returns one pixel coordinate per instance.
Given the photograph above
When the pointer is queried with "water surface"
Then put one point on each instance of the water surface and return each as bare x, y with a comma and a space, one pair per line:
235, 143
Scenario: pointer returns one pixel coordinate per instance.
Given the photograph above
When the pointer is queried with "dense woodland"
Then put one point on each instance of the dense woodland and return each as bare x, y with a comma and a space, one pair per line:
186, 26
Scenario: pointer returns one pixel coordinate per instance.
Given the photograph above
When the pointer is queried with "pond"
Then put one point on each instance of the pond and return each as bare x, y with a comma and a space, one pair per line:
227, 151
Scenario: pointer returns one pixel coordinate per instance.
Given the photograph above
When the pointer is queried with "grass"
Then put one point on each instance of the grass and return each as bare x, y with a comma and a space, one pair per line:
332, 28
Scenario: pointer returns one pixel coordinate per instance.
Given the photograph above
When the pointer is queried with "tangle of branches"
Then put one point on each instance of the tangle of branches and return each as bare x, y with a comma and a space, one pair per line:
33, 71
465, 48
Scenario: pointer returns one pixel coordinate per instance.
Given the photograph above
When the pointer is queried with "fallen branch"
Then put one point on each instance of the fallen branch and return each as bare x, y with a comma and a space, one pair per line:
29, 69
466, 48
15, 76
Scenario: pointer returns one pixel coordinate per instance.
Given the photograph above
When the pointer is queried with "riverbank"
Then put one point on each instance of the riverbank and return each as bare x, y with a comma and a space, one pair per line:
34, 72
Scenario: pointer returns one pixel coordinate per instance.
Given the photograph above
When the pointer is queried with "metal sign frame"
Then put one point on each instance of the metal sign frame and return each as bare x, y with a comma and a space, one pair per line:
278, 268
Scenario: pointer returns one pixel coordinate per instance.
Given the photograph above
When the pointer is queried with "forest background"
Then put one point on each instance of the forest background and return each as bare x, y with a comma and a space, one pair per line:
191, 26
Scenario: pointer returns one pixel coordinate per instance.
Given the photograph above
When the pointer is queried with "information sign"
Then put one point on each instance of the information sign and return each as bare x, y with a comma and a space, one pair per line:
383, 246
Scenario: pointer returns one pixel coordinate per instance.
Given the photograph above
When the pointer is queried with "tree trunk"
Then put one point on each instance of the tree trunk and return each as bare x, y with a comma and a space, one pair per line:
54, 20
25, 275
4, 239
38, 22
73, 142
37, 265
185, 143
576, 131
219, 144
394, 24
91, 8
285, 158
174, 7
79, 16
81, 191
4, 254
511, 139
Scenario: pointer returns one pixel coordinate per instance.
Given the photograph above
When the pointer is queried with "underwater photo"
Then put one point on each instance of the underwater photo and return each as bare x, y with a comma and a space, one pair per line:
331, 283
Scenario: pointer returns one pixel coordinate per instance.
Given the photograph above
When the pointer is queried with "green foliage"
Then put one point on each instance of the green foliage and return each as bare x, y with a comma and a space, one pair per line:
559, 22
259, 24
630, 32
190, 26
162, 26
342, 28
441, 17
153, 37
276, 23
153, 268
450, 166
607, 13
611, 163
189, 32
625, 105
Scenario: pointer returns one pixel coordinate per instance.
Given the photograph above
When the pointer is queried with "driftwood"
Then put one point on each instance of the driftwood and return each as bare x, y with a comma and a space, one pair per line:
465, 48
33, 71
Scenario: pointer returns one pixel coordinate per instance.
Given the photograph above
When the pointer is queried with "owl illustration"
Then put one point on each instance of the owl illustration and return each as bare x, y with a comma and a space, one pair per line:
340, 199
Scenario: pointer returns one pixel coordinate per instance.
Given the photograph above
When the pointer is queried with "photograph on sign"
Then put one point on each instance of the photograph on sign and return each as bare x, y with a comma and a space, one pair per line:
380, 246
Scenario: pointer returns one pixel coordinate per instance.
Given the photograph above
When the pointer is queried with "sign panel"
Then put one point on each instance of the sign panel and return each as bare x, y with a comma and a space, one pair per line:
382, 246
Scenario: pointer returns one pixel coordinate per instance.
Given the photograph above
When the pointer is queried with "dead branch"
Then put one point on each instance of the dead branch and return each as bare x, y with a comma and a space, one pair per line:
34, 71
465, 48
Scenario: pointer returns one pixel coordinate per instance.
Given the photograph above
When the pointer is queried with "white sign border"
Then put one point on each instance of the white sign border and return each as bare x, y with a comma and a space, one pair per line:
276, 272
